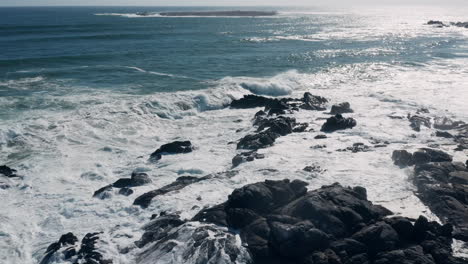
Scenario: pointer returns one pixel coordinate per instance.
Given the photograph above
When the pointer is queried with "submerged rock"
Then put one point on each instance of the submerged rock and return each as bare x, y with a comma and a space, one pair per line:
338, 122
175, 147
137, 179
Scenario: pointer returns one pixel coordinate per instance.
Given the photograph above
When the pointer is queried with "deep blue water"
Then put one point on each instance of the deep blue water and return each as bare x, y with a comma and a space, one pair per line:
74, 47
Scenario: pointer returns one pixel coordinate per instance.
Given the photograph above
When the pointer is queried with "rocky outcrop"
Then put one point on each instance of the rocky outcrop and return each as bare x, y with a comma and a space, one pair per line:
417, 121
144, 200
338, 122
137, 179
279, 106
443, 187
403, 158
281, 222
176, 147
66, 250
269, 129
441, 24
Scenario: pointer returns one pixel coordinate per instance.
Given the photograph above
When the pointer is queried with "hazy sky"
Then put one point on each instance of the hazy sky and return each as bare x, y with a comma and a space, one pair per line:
227, 2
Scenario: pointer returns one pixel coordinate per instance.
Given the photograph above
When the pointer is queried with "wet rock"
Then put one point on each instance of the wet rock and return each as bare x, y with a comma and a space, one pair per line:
338, 122
68, 240
246, 157
104, 193
137, 179
460, 24
158, 229
313, 102
442, 187
257, 141
269, 129
7, 171
144, 200
300, 127
403, 158
417, 121
320, 136
436, 23
175, 147
357, 147
68, 251
253, 101
445, 123
126, 191
443, 134
341, 108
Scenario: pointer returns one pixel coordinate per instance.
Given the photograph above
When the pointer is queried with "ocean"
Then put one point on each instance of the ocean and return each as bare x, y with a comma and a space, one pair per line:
87, 93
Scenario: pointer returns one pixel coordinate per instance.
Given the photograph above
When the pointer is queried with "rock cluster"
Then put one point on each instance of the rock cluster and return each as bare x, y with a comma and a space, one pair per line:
66, 250
281, 222
403, 158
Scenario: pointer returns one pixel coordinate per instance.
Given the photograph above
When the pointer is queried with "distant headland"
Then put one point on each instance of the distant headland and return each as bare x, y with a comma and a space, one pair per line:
221, 13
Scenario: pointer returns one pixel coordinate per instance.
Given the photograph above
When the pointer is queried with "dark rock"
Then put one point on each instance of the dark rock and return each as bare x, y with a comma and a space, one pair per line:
246, 157
445, 123
378, 237
443, 134
158, 229
313, 102
137, 179
441, 186
7, 171
257, 141
320, 136
104, 192
341, 108
253, 101
357, 147
126, 191
417, 121
436, 23
88, 252
300, 127
175, 147
144, 200
402, 158
338, 122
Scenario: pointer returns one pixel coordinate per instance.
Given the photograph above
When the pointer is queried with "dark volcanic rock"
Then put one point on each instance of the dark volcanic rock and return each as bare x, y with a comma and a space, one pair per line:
338, 122
175, 147
144, 200
403, 158
252, 101
269, 129
7, 171
137, 179
442, 186
341, 108
313, 102
357, 147
67, 250
280, 222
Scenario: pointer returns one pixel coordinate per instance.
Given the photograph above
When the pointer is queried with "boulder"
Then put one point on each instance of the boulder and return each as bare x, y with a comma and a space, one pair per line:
338, 122
253, 101
175, 147
341, 108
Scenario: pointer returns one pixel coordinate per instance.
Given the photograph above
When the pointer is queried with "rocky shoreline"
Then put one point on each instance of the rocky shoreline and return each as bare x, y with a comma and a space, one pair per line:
284, 221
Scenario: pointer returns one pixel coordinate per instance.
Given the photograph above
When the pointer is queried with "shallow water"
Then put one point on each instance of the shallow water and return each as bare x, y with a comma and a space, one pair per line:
86, 94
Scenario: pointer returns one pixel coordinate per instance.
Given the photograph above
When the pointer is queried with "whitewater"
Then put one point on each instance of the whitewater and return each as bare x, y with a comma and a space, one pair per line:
72, 123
